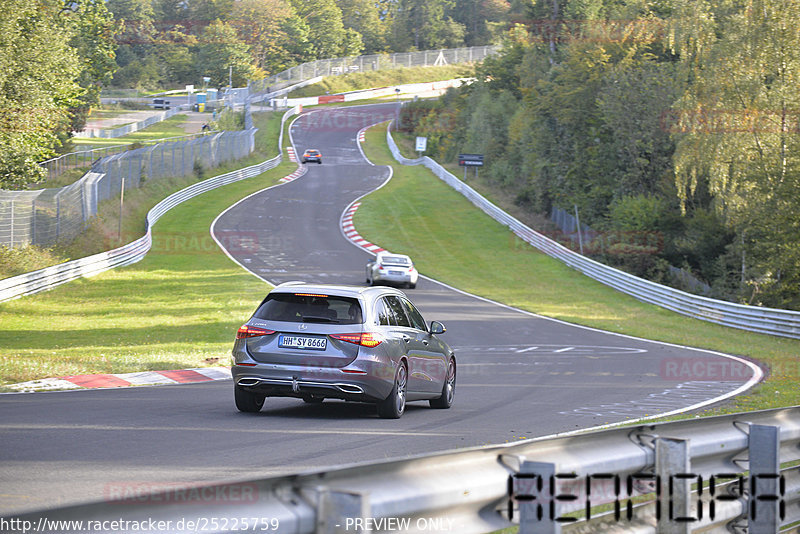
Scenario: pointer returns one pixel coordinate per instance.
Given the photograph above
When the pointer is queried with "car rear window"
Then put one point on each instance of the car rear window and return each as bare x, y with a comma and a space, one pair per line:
395, 260
307, 308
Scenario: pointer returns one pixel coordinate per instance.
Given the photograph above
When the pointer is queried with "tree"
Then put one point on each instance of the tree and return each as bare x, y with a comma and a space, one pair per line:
326, 29
137, 18
479, 18
364, 17
273, 31
426, 24
738, 130
93, 37
204, 12
38, 84
176, 62
221, 52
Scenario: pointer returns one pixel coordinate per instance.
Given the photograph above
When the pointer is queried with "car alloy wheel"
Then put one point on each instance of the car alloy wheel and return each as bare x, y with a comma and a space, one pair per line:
393, 406
448, 388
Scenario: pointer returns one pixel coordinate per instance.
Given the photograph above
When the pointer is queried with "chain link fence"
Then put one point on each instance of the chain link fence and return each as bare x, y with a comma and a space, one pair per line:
344, 65
48, 216
84, 159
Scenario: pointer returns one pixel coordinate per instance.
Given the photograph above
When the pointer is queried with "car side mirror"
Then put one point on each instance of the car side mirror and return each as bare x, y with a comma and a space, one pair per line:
437, 328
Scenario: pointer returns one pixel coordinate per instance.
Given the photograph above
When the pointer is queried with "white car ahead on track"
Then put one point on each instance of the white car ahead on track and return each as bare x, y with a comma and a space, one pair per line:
392, 269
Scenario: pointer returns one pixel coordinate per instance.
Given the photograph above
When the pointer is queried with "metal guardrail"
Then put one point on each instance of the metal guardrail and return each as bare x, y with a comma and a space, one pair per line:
49, 277
687, 476
332, 67
46, 216
125, 129
773, 321
85, 158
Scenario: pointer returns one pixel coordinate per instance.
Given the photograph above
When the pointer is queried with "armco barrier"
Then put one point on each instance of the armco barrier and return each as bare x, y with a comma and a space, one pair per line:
49, 277
364, 94
276, 85
773, 321
111, 133
676, 477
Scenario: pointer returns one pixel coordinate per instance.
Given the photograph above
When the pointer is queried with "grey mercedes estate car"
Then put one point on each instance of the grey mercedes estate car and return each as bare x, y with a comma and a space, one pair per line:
365, 344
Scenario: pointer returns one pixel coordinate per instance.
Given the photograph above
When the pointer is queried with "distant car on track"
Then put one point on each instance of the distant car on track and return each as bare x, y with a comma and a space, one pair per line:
364, 344
312, 155
388, 268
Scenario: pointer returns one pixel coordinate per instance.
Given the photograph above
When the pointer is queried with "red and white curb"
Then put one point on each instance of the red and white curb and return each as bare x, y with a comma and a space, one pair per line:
362, 136
294, 176
350, 232
145, 378
124, 380
291, 154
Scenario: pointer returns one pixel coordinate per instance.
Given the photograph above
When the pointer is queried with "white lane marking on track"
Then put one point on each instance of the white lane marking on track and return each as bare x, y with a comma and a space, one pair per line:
232, 206
689, 391
757, 372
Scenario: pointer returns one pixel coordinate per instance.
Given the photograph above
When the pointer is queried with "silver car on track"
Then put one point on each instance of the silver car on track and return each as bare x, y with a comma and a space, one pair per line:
388, 268
365, 344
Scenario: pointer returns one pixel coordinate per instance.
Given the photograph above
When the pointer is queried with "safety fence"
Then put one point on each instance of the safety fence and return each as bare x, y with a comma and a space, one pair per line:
133, 127
48, 216
50, 277
84, 159
344, 65
723, 474
756, 319
426, 89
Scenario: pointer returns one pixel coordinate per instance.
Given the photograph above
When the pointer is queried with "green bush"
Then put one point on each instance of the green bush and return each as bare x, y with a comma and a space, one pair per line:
19, 260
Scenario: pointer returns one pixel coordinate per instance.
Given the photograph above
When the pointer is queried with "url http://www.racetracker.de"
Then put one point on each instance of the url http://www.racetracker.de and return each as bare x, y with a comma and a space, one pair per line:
203, 524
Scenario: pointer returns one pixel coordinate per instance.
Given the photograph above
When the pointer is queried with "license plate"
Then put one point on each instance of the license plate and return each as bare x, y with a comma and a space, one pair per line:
300, 342
396, 273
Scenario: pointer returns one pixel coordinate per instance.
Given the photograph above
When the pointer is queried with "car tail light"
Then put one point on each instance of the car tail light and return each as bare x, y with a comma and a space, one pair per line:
367, 339
247, 331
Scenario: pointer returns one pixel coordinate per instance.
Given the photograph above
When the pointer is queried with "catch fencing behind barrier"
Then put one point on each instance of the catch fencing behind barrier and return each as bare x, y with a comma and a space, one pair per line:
718, 473
50, 277
344, 65
48, 216
130, 128
773, 321
84, 159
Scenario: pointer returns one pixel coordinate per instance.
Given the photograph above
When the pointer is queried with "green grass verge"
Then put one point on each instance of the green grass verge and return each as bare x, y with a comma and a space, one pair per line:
454, 242
382, 78
179, 307
171, 127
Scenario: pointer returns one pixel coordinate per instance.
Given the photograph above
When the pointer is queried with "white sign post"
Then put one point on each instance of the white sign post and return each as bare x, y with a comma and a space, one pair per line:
189, 91
422, 145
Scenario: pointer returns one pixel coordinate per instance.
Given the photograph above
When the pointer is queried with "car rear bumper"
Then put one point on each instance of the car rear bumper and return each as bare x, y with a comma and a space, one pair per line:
285, 381
404, 278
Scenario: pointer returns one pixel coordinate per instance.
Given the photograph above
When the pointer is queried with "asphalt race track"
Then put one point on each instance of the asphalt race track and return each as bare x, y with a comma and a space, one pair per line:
519, 375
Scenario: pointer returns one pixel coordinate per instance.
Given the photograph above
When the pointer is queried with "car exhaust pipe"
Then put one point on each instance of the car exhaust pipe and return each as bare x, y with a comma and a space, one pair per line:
247, 382
349, 388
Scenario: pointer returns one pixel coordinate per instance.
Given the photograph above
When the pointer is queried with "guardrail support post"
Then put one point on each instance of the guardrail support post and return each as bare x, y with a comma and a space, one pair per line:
340, 512
534, 490
766, 488
673, 474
